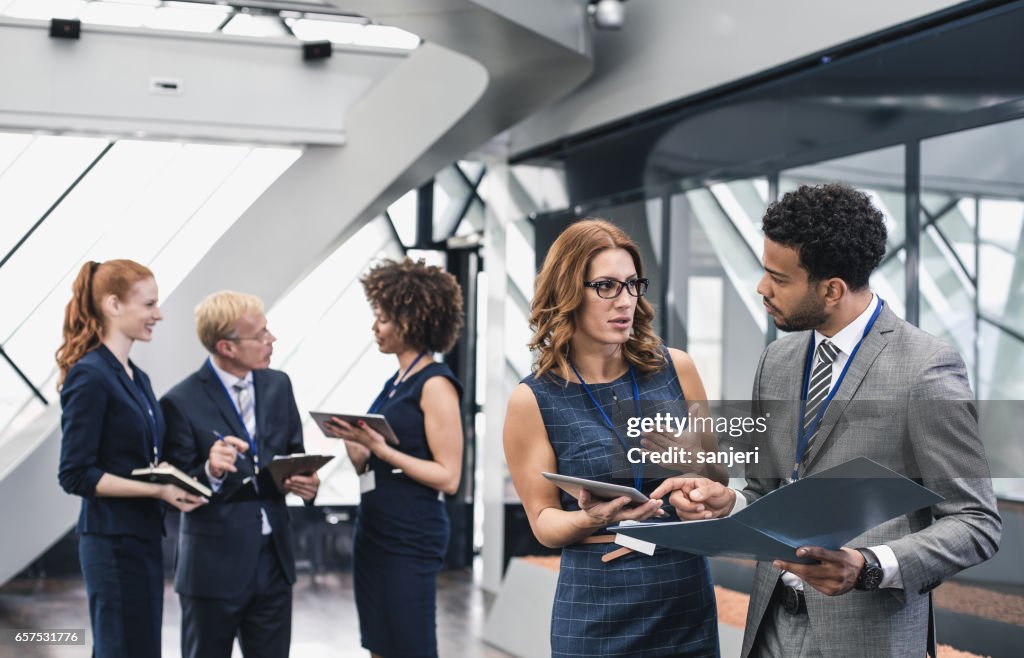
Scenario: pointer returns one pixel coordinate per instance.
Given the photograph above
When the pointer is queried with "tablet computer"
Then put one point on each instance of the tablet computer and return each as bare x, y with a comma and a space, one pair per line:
376, 421
603, 490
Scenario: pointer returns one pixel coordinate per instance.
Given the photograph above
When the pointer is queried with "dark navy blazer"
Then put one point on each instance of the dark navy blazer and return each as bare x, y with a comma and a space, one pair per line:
219, 544
107, 429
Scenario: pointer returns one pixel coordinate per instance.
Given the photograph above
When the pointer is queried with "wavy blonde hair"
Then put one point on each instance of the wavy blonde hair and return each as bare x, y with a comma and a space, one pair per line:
559, 293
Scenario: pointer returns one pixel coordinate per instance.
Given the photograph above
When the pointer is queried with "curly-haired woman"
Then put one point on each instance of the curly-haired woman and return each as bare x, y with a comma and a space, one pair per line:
401, 526
597, 356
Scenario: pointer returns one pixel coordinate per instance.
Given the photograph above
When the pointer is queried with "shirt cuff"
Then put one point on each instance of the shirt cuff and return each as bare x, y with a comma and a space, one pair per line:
891, 576
741, 502
215, 483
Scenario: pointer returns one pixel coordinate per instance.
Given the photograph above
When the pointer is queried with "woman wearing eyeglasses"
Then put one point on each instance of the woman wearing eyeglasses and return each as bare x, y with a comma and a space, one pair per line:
402, 527
597, 355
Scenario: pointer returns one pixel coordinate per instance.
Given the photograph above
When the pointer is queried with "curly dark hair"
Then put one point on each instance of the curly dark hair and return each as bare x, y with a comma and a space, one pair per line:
423, 300
834, 228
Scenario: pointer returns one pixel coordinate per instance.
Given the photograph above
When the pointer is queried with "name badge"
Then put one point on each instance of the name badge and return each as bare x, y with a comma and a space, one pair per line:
638, 545
367, 482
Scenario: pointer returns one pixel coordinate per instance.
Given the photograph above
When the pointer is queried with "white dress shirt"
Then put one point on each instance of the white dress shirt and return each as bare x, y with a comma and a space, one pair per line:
846, 341
228, 381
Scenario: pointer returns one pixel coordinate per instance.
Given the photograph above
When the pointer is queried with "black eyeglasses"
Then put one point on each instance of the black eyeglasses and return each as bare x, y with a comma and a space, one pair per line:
612, 288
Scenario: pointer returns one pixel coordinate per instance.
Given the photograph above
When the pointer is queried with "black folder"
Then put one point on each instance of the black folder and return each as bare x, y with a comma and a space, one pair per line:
826, 509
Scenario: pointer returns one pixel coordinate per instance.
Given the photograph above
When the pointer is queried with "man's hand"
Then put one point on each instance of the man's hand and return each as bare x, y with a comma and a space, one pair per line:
837, 573
223, 454
303, 486
697, 498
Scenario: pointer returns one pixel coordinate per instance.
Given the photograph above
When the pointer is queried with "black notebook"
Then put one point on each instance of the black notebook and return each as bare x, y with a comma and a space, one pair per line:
167, 474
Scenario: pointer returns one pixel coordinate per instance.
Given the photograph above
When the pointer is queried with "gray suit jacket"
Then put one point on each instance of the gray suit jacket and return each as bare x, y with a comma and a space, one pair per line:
895, 406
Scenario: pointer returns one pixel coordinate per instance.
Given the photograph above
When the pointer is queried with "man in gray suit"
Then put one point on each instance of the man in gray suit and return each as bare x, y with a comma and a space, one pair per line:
873, 386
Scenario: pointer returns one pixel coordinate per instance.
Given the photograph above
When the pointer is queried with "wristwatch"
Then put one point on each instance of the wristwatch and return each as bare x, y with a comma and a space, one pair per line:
871, 573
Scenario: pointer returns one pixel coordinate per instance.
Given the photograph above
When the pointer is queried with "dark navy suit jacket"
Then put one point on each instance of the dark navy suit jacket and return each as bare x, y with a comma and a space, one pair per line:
219, 544
107, 429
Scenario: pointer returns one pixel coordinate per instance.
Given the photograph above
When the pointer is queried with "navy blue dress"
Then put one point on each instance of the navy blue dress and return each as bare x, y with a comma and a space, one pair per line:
110, 424
401, 536
635, 605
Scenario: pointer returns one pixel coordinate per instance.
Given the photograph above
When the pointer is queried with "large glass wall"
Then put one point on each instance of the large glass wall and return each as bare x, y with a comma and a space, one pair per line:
959, 272
69, 199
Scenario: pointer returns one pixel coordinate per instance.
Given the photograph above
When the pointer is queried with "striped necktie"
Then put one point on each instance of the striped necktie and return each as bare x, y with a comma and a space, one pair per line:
817, 390
246, 408
246, 405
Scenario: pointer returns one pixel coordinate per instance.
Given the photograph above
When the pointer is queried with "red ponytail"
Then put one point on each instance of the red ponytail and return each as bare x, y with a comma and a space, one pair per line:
83, 320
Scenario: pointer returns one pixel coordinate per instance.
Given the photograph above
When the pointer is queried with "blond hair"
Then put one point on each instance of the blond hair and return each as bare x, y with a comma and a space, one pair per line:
559, 293
217, 316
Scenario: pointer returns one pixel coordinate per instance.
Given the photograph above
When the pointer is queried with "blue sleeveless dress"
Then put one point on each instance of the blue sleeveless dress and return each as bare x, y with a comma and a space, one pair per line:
401, 536
635, 605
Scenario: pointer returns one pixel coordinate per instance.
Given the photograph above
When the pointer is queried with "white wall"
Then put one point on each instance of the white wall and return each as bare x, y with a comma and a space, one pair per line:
671, 49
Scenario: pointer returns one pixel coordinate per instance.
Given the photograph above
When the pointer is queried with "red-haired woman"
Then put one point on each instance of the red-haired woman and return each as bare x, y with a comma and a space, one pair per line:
112, 425
597, 355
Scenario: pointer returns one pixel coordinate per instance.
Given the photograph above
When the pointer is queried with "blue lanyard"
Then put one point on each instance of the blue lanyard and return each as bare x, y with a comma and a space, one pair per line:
803, 435
152, 422
254, 450
390, 393
637, 468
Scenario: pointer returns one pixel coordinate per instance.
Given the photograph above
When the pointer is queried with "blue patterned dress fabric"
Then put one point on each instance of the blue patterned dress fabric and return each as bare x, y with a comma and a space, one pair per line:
635, 605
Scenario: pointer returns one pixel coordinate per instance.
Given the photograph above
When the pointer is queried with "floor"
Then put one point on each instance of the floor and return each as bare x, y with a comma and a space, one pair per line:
323, 624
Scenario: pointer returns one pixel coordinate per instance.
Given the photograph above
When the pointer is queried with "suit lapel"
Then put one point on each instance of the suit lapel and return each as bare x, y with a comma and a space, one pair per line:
873, 345
259, 389
795, 356
219, 396
133, 392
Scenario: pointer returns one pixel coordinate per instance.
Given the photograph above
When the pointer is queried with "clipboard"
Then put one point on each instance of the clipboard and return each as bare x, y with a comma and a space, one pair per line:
283, 467
375, 421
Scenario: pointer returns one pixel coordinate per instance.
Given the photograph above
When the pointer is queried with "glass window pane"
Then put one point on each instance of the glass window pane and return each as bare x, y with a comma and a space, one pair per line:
880, 175
326, 345
188, 17
13, 394
118, 13
252, 25
403, 216
471, 168
38, 171
163, 204
947, 297
743, 202
45, 9
450, 192
60, 245
740, 262
244, 184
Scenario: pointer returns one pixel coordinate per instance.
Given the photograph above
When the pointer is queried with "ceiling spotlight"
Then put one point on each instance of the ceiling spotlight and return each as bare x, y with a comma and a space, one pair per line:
607, 14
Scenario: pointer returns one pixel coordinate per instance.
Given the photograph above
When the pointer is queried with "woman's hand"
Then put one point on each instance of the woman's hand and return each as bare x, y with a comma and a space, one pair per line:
368, 439
179, 498
600, 513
